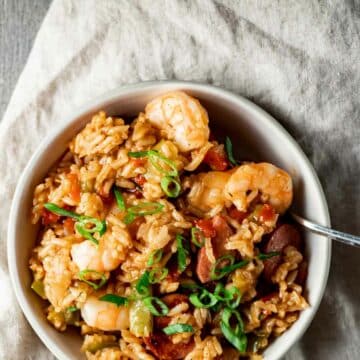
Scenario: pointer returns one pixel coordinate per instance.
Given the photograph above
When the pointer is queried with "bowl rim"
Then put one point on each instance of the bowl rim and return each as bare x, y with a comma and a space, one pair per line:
111, 96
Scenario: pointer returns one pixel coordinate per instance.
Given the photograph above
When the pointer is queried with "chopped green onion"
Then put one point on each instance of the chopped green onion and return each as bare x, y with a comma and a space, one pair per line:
170, 186
235, 336
221, 293
129, 218
235, 297
195, 233
156, 158
143, 284
115, 299
148, 301
181, 253
155, 257
98, 225
229, 151
86, 234
268, 255
204, 299
157, 275
145, 208
119, 199
38, 287
138, 154
178, 328
96, 286
190, 285
228, 269
60, 211
72, 309
217, 273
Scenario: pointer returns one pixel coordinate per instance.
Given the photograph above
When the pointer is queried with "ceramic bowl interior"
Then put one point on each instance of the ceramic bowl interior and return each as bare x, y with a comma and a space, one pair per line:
256, 136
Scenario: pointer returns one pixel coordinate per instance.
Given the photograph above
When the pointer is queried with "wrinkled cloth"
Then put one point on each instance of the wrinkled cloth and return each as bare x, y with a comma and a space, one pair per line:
299, 60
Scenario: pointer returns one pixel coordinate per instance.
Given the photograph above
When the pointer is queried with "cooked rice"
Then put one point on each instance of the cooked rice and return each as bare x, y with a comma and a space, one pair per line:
83, 180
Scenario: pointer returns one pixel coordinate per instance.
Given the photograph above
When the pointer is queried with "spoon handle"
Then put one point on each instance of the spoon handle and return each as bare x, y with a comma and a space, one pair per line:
345, 238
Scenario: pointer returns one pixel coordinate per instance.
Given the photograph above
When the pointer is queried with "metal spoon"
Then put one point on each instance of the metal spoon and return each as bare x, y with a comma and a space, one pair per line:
345, 238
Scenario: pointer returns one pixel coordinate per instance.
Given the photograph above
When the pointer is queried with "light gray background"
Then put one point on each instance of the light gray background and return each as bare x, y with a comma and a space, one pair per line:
326, 122
19, 23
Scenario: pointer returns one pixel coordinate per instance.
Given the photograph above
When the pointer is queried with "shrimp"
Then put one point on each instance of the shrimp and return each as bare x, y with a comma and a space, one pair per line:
181, 118
107, 256
207, 190
274, 184
105, 315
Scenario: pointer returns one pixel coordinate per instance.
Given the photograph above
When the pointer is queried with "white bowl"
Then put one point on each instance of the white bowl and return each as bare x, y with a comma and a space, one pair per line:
255, 134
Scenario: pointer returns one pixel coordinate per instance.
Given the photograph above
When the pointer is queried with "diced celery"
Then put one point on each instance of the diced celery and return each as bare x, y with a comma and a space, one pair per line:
140, 319
38, 287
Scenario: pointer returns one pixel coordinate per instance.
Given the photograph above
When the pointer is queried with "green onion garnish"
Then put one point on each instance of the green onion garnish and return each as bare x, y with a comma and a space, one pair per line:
86, 234
96, 286
119, 199
203, 299
148, 302
178, 328
268, 255
72, 309
229, 151
195, 234
99, 226
235, 335
228, 269
221, 293
216, 272
60, 211
142, 209
170, 186
190, 285
143, 284
115, 299
138, 154
181, 253
157, 275
155, 257
156, 158
129, 218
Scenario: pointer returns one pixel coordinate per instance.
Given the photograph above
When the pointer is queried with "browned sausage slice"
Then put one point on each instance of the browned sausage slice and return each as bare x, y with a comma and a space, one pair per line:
163, 348
302, 273
282, 237
223, 232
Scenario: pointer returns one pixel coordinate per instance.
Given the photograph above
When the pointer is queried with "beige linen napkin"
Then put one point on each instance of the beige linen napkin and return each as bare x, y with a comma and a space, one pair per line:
297, 59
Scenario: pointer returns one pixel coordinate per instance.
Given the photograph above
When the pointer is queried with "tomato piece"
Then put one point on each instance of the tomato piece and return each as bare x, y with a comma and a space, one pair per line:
108, 199
267, 213
69, 225
74, 187
139, 161
48, 217
206, 226
216, 158
140, 179
237, 214
268, 297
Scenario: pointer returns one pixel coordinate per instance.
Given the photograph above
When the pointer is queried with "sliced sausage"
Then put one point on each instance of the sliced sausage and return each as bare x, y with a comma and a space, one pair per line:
222, 233
282, 237
164, 349
203, 266
302, 273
